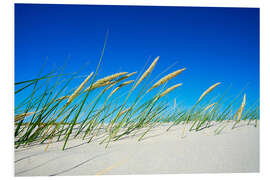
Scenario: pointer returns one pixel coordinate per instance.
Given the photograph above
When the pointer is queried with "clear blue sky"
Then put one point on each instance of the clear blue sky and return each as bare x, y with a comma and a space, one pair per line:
214, 44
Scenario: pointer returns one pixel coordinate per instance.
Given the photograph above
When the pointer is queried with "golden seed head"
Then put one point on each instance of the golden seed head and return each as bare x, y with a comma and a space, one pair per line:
61, 98
149, 70
241, 109
105, 81
23, 115
113, 91
78, 90
123, 112
167, 78
118, 87
131, 74
209, 106
111, 77
111, 85
243, 102
208, 91
125, 83
126, 76
98, 85
169, 89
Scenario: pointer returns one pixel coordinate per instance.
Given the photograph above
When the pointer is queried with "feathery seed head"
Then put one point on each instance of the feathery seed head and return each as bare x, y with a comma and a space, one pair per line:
149, 70
98, 85
123, 112
241, 109
167, 78
243, 102
23, 115
125, 83
118, 87
61, 98
209, 106
111, 77
78, 90
208, 91
169, 89
105, 81
126, 76
113, 91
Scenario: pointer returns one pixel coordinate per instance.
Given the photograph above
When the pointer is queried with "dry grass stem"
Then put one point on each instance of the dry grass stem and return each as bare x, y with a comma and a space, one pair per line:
183, 132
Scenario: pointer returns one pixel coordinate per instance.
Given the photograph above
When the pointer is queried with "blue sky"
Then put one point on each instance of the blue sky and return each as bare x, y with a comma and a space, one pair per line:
214, 44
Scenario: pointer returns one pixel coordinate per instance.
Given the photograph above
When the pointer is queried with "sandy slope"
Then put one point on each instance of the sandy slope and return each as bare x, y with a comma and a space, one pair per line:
160, 152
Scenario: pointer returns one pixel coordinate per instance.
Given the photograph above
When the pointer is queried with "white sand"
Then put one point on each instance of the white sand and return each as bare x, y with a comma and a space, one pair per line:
160, 152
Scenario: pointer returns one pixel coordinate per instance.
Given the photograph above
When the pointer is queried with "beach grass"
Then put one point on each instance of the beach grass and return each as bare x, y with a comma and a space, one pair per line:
50, 111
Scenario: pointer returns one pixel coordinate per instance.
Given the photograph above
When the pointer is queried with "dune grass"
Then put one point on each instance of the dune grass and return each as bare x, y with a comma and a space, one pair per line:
91, 109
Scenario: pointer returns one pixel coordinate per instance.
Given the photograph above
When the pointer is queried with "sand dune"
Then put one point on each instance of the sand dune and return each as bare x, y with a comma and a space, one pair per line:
159, 152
